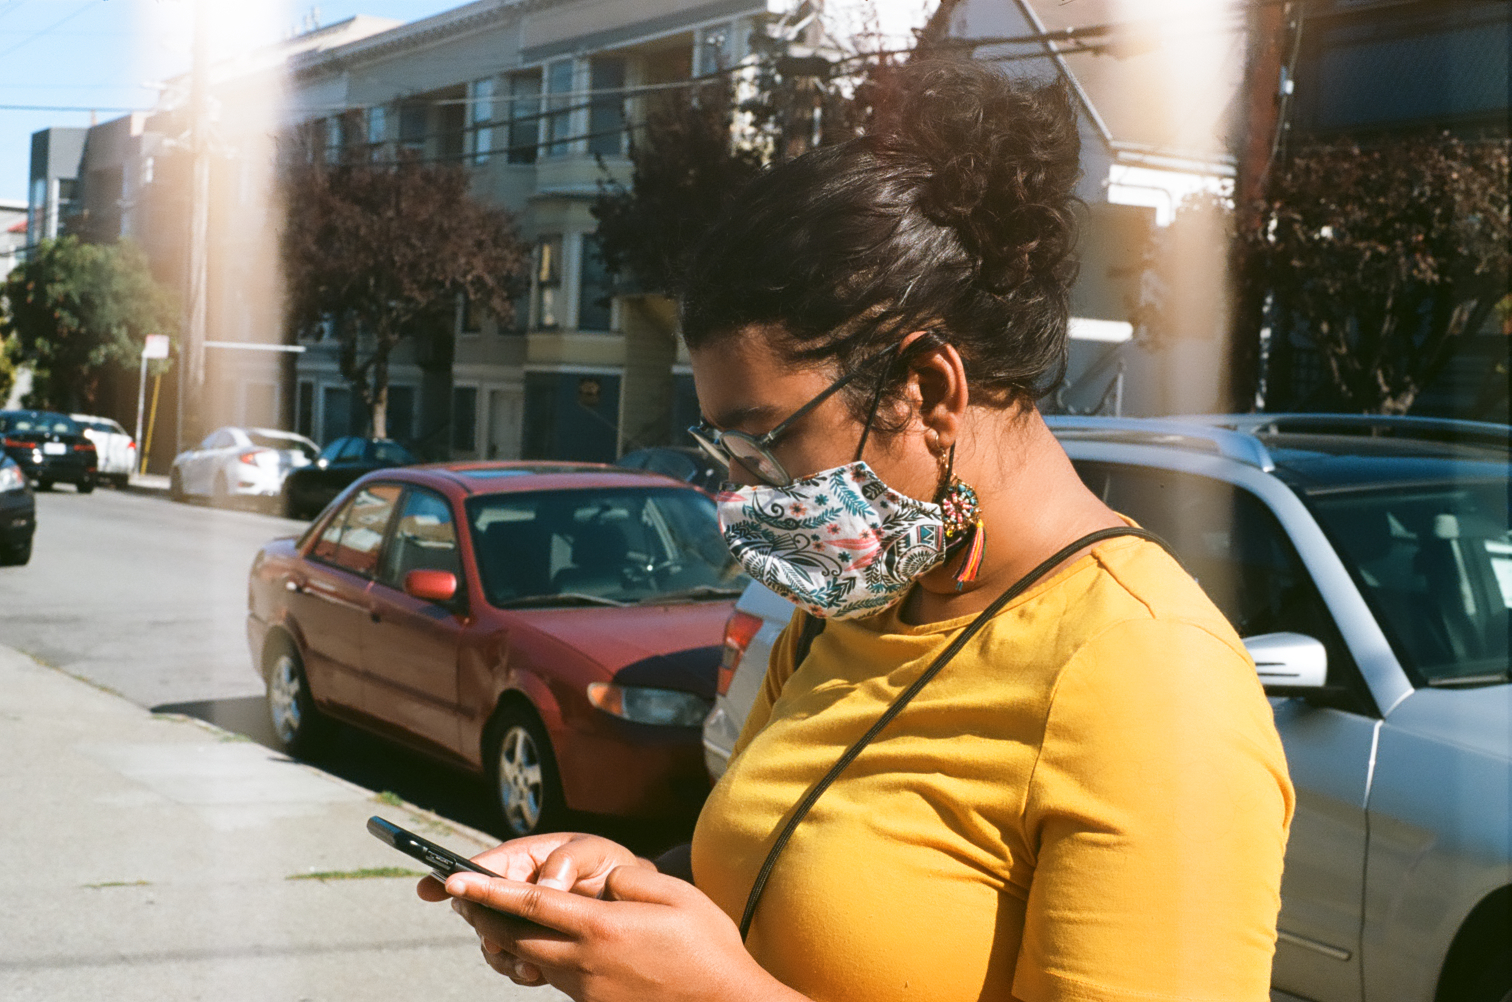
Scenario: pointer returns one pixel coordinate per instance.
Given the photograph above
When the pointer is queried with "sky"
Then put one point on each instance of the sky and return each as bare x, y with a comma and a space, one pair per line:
106, 54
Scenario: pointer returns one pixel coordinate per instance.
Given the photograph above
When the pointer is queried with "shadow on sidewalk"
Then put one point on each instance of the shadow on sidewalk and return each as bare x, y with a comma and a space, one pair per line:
367, 761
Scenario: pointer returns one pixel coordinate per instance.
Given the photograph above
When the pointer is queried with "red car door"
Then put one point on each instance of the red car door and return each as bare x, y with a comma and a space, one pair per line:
331, 602
411, 647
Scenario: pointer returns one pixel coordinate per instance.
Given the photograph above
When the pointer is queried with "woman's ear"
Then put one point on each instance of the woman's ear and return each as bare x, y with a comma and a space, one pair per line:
939, 382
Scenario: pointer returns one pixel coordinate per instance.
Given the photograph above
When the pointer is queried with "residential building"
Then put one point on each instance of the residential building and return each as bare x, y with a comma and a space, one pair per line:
537, 99
1155, 107
53, 189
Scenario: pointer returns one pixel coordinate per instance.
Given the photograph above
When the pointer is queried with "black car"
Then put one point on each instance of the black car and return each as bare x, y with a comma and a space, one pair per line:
50, 448
685, 463
18, 514
308, 489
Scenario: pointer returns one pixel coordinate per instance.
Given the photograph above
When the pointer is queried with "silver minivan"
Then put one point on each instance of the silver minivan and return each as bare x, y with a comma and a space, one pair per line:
1368, 565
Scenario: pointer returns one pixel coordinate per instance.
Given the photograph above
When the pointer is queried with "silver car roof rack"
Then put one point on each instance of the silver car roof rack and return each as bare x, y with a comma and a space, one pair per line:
1432, 429
1241, 446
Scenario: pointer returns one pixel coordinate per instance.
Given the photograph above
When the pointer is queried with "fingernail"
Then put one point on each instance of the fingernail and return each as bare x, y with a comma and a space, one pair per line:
489, 946
456, 906
557, 883
527, 972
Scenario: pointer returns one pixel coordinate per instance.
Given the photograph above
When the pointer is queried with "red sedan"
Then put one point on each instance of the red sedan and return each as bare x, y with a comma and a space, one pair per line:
553, 626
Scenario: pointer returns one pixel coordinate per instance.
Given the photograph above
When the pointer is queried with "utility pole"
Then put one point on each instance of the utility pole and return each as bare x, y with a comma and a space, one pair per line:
1266, 86
191, 372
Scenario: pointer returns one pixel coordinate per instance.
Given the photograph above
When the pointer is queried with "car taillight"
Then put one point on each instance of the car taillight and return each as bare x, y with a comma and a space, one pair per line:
16, 443
741, 628
250, 456
84, 447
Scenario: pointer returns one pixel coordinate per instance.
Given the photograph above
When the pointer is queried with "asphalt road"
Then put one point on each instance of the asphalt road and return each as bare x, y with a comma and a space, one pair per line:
148, 598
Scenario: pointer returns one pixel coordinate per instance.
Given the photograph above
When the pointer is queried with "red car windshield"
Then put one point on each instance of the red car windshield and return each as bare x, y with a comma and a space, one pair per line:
610, 546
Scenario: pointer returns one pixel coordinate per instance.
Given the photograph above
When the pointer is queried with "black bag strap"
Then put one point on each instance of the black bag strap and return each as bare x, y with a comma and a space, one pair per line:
806, 639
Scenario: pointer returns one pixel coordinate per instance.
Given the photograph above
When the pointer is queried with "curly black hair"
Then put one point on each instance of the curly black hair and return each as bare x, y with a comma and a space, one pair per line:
954, 214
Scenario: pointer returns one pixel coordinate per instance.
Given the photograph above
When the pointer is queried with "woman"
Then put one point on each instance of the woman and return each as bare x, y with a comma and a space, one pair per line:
1082, 796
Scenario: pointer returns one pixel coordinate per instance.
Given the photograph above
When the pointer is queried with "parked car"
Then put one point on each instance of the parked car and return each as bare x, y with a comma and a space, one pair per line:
553, 627
310, 488
115, 447
1370, 559
690, 465
18, 514
50, 448
236, 463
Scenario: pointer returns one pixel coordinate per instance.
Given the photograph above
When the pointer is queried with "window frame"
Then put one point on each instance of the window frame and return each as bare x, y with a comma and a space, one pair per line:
343, 513
459, 604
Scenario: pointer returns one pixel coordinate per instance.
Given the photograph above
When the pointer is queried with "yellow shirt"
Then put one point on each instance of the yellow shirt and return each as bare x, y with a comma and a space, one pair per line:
1090, 802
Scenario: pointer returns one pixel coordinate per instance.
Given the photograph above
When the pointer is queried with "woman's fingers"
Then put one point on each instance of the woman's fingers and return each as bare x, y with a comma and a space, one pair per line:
545, 906
633, 883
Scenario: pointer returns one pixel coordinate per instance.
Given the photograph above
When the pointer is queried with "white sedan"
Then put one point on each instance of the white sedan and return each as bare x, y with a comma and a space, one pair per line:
115, 446
236, 463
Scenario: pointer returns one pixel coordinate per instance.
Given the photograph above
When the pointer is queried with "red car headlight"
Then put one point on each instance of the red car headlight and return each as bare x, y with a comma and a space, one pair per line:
644, 705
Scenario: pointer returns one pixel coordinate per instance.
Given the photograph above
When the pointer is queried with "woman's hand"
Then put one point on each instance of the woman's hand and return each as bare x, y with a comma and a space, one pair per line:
565, 861
648, 936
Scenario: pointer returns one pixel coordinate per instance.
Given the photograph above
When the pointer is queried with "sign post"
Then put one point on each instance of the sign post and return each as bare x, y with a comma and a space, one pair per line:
156, 346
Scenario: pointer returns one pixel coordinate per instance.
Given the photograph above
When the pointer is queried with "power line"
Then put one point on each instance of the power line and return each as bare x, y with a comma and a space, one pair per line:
88, 4
62, 107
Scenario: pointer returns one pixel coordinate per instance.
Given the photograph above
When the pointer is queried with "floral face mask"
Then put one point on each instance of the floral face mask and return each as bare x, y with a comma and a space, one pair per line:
839, 543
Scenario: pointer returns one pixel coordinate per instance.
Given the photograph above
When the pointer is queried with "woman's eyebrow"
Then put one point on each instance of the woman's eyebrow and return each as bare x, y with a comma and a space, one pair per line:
736, 416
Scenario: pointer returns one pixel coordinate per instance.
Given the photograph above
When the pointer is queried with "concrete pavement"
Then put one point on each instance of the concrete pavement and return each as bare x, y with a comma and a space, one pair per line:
159, 858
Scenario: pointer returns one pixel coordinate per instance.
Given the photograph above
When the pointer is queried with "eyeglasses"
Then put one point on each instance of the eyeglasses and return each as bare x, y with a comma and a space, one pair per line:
754, 452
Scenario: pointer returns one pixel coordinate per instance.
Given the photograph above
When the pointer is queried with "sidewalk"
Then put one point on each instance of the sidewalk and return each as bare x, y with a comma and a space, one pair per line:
149, 483
160, 858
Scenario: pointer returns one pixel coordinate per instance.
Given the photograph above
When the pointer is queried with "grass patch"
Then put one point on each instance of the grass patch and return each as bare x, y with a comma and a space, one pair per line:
366, 873
119, 883
390, 798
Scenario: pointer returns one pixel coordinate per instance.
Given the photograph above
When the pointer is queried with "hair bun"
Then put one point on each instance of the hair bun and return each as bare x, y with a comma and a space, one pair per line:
998, 157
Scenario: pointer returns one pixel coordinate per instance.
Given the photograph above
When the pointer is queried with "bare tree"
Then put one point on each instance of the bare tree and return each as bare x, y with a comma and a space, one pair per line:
384, 252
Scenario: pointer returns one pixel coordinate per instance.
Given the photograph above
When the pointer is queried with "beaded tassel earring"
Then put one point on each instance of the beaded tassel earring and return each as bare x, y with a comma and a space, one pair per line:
958, 502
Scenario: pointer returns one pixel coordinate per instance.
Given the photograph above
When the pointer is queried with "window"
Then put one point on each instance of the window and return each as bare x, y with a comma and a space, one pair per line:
595, 288
413, 123
330, 452
480, 113
558, 108
524, 116
548, 282
623, 545
335, 139
425, 538
465, 418
1435, 563
401, 411
355, 534
1232, 544
377, 131
451, 118
336, 412
606, 109
304, 409
351, 450
471, 320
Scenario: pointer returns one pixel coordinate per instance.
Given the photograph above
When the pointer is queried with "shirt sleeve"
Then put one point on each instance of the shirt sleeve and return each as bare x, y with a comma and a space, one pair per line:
779, 669
1158, 813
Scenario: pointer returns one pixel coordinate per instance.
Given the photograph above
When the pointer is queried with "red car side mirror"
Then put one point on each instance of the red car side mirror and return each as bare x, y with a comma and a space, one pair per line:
431, 586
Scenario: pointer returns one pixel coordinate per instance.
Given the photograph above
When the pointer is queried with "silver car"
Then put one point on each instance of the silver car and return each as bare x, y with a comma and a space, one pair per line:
239, 463
1368, 565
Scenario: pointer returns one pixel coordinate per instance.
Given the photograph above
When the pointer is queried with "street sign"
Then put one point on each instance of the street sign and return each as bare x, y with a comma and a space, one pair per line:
156, 346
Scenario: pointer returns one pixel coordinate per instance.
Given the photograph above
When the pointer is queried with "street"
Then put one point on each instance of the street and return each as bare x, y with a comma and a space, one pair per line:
147, 598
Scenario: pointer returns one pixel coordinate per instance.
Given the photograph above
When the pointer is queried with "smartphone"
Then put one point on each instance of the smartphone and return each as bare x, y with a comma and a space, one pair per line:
442, 861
